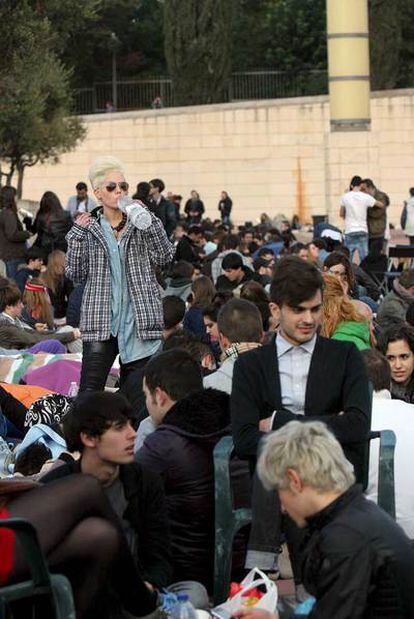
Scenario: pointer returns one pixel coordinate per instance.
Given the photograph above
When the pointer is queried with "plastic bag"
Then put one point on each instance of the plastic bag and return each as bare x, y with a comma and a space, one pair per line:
255, 578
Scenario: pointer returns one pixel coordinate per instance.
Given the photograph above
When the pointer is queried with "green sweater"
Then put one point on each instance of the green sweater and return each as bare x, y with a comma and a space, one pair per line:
356, 332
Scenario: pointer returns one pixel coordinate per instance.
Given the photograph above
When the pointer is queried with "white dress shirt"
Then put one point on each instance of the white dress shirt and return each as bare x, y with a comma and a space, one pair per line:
294, 362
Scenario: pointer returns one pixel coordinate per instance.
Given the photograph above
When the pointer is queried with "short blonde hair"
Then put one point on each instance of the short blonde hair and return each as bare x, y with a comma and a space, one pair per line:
312, 451
100, 168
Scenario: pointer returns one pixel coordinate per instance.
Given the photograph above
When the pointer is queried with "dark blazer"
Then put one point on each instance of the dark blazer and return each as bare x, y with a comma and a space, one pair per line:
147, 515
337, 382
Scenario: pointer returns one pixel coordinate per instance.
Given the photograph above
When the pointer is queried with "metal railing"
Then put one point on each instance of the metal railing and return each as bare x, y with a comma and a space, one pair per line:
243, 86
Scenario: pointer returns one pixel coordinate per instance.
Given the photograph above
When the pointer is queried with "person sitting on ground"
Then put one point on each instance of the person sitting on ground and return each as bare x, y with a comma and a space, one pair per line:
181, 280
397, 416
210, 314
230, 244
189, 423
235, 273
81, 537
365, 284
37, 311
340, 266
263, 270
299, 249
341, 320
202, 294
356, 561
174, 311
58, 285
397, 344
393, 307
255, 293
188, 247
99, 427
31, 268
14, 333
239, 326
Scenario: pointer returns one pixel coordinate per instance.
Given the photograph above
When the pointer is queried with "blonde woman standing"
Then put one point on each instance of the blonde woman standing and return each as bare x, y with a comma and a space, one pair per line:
115, 250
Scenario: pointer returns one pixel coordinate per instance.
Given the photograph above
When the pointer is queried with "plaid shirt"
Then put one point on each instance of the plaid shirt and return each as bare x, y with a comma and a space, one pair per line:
87, 260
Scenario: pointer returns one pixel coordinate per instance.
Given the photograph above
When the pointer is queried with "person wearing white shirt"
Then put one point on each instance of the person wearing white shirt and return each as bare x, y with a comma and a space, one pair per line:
354, 206
398, 416
81, 203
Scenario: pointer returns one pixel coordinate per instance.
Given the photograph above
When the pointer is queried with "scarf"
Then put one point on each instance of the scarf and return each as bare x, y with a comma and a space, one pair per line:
233, 351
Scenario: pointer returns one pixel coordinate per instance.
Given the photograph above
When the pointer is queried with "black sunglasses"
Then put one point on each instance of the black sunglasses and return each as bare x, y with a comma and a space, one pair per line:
123, 186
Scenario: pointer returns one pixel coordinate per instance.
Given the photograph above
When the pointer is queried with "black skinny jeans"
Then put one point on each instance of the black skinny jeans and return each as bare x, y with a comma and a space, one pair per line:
97, 360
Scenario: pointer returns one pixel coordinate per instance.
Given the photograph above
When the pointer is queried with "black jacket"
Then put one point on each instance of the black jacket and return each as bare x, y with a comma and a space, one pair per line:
186, 250
51, 231
12, 236
223, 283
357, 562
23, 274
181, 451
147, 515
224, 207
166, 212
337, 382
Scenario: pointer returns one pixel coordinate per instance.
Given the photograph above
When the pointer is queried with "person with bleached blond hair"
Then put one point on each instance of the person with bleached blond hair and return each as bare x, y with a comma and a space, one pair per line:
115, 251
356, 561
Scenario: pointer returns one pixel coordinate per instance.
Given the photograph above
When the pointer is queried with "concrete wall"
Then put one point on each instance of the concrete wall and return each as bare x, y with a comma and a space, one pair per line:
276, 156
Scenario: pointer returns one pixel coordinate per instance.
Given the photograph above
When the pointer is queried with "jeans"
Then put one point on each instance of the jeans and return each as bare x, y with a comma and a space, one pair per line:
97, 360
268, 527
12, 267
357, 241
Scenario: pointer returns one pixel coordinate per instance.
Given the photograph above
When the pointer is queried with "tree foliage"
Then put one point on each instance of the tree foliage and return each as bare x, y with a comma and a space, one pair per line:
35, 122
286, 35
197, 40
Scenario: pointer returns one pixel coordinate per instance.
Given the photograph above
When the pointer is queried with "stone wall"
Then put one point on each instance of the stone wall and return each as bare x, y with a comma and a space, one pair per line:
276, 156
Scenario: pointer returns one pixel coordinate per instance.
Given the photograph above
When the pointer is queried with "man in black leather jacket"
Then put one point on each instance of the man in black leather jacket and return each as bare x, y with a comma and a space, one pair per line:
356, 561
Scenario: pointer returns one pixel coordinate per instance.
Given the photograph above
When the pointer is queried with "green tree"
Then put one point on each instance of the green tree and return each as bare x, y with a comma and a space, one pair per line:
391, 43
35, 121
198, 39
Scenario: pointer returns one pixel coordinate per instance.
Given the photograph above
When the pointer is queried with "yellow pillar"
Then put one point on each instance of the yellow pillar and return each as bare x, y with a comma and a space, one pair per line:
348, 62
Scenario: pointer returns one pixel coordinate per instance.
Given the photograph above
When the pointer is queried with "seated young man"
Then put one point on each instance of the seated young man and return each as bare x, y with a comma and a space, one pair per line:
240, 329
14, 333
99, 427
357, 562
189, 423
235, 273
32, 267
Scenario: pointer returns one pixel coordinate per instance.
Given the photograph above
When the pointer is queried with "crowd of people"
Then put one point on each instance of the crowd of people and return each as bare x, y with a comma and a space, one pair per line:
186, 330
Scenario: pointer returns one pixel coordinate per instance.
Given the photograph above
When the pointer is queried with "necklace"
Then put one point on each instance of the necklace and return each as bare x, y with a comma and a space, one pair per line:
121, 224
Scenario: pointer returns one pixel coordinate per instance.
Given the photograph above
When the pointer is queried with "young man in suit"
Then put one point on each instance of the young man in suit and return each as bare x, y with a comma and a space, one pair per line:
299, 376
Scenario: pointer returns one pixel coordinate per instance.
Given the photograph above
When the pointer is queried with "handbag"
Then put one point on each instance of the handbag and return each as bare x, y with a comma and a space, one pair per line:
255, 578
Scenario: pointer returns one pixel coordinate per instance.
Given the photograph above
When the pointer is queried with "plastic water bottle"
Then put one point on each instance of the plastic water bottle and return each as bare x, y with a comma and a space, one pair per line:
183, 609
73, 389
137, 214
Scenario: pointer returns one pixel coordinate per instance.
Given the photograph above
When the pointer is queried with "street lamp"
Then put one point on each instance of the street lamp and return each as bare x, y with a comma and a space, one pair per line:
114, 45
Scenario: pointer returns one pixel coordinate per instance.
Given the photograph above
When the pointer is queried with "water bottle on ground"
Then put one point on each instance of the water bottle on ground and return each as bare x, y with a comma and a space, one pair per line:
73, 389
137, 214
183, 609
